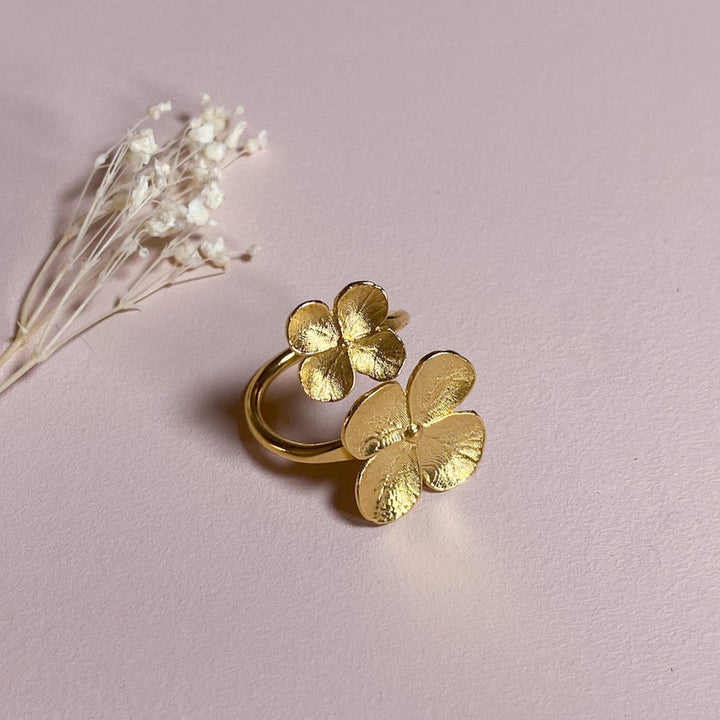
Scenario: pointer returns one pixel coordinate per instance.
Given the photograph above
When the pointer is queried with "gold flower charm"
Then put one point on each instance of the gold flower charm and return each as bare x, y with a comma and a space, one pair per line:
414, 437
350, 338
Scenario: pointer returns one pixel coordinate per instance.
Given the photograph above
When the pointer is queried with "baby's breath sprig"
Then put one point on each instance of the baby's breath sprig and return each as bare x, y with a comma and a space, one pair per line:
143, 210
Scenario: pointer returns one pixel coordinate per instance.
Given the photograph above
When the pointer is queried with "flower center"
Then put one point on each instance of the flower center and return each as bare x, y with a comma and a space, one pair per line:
413, 432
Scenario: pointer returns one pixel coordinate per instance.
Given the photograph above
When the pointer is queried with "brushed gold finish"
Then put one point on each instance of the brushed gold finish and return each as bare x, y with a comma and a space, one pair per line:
381, 421
331, 451
360, 308
352, 337
312, 329
389, 484
414, 437
438, 384
327, 376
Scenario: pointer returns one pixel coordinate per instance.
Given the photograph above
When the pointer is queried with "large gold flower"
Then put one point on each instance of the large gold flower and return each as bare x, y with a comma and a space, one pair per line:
349, 338
414, 437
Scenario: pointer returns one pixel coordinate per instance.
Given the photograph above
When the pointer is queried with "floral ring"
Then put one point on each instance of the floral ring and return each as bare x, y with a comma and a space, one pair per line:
407, 438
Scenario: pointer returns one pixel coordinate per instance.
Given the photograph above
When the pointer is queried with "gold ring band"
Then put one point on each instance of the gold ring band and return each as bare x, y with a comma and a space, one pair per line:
324, 452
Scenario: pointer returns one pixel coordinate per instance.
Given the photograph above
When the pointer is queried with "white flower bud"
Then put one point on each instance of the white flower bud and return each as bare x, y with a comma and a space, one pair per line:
167, 216
217, 115
203, 134
161, 108
215, 151
251, 146
187, 254
141, 147
212, 195
161, 172
215, 252
233, 137
197, 213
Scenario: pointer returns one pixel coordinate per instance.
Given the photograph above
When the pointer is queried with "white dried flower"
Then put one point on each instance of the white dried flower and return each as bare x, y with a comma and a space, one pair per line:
216, 115
161, 173
212, 195
202, 134
233, 137
215, 252
161, 108
168, 215
215, 151
197, 213
141, 147
187, 254
253, 145
145, 191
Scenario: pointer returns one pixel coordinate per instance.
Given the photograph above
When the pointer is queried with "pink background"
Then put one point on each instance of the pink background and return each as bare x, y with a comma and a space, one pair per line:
538, 183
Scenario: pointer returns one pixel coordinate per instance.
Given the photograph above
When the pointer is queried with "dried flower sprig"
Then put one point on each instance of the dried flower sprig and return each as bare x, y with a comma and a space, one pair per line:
145, 216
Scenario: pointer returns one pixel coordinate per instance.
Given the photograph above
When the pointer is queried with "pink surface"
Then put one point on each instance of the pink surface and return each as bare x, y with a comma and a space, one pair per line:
539, 185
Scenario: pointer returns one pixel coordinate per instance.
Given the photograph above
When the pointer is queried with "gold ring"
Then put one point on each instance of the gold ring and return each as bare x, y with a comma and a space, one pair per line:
407, 438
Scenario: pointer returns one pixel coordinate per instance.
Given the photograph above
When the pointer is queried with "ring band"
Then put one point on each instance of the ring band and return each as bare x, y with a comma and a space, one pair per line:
323, 452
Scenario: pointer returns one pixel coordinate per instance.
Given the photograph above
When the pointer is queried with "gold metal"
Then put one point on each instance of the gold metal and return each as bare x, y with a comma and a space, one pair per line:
352, 337
331, 451
407, 438
414, 437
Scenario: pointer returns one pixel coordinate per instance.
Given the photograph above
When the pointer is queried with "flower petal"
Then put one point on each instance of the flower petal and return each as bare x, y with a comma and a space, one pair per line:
437, 385
450, 450
312, 329
389, 484
327, 376
377, 419
380, 355
360, 308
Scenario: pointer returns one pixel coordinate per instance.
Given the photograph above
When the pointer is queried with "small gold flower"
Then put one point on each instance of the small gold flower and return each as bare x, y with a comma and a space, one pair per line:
413, 437
349, 338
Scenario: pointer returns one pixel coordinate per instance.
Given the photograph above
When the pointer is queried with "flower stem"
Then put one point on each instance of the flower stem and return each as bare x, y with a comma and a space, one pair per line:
12, 348
29, 365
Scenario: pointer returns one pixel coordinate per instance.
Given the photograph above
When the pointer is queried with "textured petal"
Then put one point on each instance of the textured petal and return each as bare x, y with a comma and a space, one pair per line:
327, 376
360, 308
450, 449
311, 328
378, 419
437, 385
380, 355
389, 484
